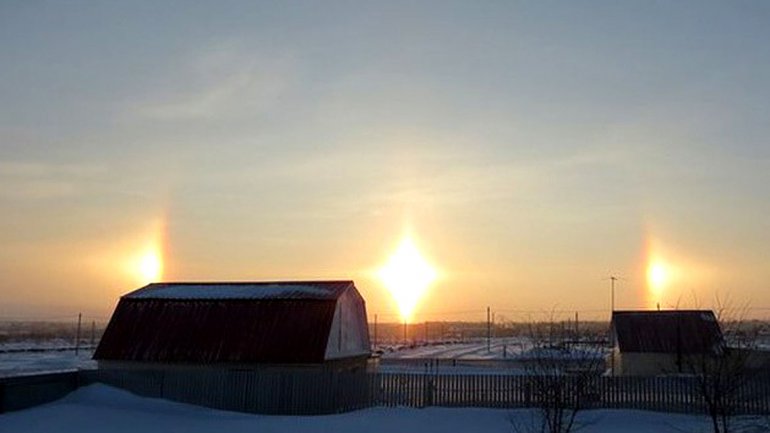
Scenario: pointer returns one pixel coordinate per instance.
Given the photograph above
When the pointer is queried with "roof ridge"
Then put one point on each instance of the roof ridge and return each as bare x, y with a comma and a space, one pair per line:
330, 289
256, 282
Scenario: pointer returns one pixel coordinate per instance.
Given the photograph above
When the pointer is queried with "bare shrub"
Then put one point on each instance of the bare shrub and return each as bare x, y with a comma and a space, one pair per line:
722, 376
563, 372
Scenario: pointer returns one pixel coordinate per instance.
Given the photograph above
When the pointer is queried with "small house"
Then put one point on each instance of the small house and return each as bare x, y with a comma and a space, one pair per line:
648, 343
238, 325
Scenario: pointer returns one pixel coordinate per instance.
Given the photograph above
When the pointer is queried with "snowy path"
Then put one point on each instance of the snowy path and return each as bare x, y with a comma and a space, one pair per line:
99, 408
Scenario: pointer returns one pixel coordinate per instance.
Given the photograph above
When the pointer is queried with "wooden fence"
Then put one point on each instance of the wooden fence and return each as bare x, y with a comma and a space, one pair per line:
323, 392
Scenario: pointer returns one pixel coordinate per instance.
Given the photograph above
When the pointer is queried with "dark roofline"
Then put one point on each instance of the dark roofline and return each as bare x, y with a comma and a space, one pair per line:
660, 311
236, 283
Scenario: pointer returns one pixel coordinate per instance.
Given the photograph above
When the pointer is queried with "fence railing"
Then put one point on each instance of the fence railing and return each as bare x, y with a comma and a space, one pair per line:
322, 392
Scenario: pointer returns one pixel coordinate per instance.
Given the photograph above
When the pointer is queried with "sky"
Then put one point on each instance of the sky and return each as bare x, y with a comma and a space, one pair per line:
529, 150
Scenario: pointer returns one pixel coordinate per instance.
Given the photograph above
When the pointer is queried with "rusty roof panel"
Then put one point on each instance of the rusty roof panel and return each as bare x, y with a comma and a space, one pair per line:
677, 331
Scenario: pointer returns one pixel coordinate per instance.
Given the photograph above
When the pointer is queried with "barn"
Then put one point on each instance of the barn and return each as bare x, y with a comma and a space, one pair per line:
649, 343
242, 325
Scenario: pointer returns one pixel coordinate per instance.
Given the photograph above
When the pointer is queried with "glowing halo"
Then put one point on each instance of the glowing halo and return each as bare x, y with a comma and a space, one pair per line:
407, 275
147, 264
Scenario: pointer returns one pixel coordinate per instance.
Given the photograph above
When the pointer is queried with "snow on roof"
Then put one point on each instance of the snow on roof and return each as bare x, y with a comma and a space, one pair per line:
322, 290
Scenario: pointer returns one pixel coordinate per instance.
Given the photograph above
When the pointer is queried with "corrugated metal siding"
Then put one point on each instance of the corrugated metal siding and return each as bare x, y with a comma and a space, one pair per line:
686, 332
215, 331
243, 290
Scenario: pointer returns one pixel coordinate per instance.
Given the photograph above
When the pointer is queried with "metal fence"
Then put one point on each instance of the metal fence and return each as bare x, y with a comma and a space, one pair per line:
21, 392
269, 392
323, 392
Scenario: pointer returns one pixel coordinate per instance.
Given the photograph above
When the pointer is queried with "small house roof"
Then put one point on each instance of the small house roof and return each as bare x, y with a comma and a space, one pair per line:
672, 331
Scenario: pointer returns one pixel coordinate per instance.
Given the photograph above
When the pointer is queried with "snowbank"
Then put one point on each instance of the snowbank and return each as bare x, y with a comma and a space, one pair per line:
98, 408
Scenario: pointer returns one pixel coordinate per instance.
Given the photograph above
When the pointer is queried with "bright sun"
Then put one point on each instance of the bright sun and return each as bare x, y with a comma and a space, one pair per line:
150, 267
407, 276
657, 277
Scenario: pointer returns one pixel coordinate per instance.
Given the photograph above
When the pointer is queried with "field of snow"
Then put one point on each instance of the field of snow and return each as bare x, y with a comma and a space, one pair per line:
500, 348
98, 408
503, 356
44, 361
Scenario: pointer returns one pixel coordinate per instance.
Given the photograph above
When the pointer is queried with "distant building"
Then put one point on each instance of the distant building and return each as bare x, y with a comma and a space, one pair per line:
304, 324
649, 343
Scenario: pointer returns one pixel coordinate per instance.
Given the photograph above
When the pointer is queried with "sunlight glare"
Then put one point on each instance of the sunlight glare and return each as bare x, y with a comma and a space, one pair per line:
657, 277
150, 267
407, 275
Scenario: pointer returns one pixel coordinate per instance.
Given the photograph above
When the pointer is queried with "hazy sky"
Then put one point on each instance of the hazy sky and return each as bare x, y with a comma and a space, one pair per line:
531, 149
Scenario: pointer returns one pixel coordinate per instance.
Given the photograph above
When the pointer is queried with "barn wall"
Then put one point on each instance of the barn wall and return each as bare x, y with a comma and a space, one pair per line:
207, 331
349, 336
344, 364
648, 364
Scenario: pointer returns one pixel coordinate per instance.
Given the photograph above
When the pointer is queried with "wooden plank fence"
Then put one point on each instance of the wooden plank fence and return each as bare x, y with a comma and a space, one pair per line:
323, 392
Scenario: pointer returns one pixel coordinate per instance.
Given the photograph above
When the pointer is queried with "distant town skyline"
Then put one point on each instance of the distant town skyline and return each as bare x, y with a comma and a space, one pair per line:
528, 151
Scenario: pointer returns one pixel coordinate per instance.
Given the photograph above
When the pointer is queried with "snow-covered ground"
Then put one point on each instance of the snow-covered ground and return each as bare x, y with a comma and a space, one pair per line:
98, 408
35, 345
502, 356
17, 363
500, 348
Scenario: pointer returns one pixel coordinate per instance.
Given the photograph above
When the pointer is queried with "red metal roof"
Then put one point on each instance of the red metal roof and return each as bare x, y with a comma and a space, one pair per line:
222, 329
674, 331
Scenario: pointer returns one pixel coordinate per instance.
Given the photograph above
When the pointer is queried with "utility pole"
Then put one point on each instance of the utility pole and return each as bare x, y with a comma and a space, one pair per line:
405, 338
489, 332
77, 335
612, 279
577, 326
494, 331
612, 313
612, 284
93, 334
375, 332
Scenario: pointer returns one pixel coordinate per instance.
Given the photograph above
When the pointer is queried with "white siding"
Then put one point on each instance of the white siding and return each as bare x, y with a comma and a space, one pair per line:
349, 335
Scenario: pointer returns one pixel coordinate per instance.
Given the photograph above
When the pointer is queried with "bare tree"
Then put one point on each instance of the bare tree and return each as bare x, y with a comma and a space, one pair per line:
563, 369
721, 375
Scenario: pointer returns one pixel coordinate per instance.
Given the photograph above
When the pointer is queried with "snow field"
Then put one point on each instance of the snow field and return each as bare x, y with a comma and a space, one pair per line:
99, 408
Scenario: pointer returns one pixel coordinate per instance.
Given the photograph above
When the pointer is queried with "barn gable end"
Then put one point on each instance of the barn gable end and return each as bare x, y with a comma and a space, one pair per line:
349, 334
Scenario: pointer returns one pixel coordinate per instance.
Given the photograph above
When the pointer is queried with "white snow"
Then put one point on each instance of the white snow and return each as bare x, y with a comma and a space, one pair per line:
22, 363
504, 356
98, 408
559, 354
500, 348
36, 345
235, 291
